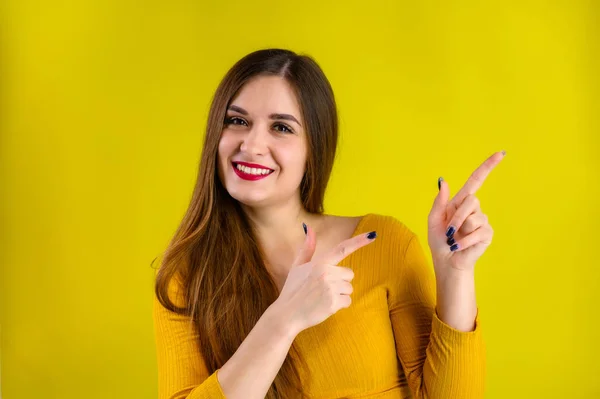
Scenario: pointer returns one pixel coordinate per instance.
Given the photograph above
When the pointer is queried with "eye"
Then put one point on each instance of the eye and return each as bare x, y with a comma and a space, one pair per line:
280, 127
234, 120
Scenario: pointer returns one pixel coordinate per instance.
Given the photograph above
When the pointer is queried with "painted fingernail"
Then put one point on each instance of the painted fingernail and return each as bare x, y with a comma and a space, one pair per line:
454, 247
304, 227
372, 235
450, 241
503, 152
440, 180
450, 231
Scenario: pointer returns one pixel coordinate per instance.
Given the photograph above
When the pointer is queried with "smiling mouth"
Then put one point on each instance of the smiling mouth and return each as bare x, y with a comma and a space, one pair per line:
250, 173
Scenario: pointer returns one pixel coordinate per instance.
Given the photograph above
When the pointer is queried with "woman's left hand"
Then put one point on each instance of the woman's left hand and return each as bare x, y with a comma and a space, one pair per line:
459, 249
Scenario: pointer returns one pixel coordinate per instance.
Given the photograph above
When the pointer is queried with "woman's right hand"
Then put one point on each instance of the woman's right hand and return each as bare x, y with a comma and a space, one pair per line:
317, 288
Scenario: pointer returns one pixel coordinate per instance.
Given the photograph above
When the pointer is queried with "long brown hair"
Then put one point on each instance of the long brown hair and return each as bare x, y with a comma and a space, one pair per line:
214, 253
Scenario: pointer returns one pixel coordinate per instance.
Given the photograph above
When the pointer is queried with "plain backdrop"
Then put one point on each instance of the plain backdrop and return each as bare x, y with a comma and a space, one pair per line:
103, 107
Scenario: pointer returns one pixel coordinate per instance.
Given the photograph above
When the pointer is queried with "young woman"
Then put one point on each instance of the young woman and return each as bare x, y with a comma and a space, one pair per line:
261, 294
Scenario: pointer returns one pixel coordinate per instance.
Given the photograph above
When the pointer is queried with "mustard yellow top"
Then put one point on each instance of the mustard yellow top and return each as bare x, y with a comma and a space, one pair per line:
389, 344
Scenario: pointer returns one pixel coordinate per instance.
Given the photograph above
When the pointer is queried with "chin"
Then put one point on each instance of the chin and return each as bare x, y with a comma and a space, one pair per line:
250, 199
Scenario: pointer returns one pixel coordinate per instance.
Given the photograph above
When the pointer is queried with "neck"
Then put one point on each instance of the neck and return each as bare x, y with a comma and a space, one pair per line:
280, 234
277, 223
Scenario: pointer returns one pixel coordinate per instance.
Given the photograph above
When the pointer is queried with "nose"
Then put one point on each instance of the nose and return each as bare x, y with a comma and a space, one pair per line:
255, 141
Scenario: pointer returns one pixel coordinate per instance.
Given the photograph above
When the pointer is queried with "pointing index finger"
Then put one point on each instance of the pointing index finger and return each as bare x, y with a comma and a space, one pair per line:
347, 247
477, 178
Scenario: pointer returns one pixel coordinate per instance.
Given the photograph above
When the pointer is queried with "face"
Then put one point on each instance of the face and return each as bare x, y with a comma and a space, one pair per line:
262, 150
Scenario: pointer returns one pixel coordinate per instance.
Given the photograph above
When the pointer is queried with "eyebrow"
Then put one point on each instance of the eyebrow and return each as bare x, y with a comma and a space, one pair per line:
286, 117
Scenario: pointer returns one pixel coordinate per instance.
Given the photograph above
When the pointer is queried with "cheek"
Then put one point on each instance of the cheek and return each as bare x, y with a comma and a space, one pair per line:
224, 151
295, 159
226, 146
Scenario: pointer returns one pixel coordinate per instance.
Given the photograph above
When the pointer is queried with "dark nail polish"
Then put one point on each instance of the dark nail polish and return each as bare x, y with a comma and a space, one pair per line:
450, 232
305, 229
440, 180
372, 235
450, 241
454, 247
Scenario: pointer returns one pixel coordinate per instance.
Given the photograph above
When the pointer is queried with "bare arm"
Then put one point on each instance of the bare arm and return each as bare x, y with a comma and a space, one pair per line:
249, 373
313, 291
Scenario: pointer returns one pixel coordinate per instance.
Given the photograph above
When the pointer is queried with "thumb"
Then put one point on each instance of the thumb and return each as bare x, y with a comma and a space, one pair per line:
441, 200
307, 250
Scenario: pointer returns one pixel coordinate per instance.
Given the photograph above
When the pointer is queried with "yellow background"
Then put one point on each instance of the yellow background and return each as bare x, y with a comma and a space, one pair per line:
103, 106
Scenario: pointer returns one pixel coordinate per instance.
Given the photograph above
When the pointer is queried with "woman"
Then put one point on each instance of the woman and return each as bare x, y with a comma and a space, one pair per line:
261, 294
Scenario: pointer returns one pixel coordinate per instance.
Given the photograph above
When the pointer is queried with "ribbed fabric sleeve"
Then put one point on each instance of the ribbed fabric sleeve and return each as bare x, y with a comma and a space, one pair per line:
439, 361
182, 371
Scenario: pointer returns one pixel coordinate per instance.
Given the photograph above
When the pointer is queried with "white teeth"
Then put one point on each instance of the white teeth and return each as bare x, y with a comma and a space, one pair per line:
253, 171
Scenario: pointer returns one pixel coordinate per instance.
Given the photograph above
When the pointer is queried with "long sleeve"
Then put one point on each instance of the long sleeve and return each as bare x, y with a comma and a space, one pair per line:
439, 361
182, 372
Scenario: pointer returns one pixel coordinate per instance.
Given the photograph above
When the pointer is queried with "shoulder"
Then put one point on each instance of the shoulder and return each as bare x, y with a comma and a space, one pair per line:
389, 228
173, 281
386, 226
394, 238
400, 253
339, 222
361, 222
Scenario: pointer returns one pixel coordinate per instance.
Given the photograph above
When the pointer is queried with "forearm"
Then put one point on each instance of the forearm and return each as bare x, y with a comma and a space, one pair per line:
251, 370
456, 303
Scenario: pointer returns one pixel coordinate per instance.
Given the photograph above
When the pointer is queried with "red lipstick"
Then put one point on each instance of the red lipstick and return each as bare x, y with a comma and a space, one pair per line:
249, 176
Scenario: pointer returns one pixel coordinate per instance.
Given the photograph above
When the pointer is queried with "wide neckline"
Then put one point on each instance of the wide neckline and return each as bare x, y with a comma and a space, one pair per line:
360, 224
357, 231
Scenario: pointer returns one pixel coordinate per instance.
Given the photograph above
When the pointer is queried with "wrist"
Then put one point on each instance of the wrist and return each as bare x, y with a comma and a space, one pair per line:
450, 275
281, 322
456, 303
453, 284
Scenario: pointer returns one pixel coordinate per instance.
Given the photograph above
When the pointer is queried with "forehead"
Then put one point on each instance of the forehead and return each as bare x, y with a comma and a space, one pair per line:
267, 94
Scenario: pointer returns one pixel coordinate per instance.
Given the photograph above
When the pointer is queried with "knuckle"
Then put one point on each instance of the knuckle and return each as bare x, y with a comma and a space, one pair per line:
348, 302
317, 270
331, 306
342, 249
475, 176
347, 273
467, 224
